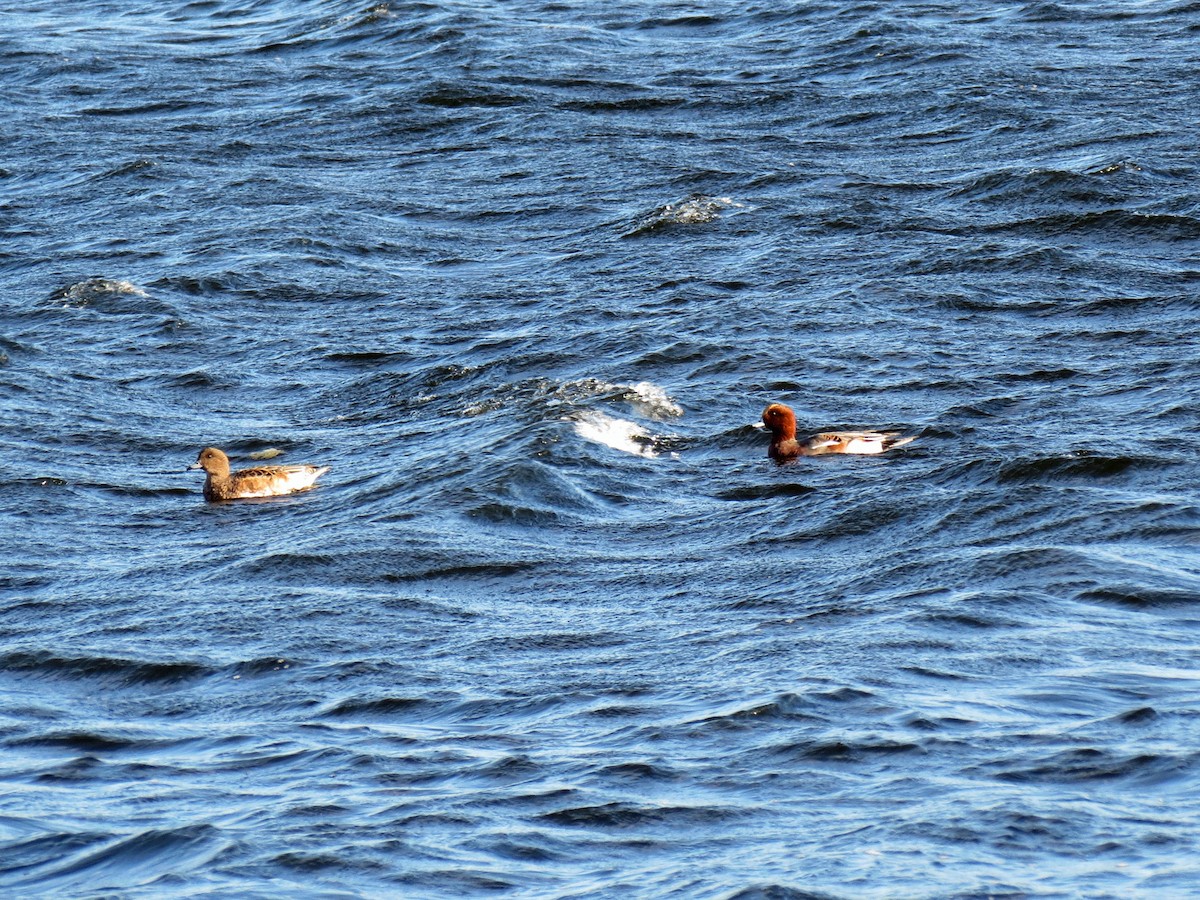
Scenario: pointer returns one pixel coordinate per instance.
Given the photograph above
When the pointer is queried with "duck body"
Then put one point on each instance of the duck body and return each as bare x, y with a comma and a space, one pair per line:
785, 446
261, 481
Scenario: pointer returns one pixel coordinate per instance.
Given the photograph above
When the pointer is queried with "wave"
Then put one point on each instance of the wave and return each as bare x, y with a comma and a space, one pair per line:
96, 291
772, 891
618, 434
127, 671
695, 210
643, 398
1089, 764
1079, 464
58, 863
620, 814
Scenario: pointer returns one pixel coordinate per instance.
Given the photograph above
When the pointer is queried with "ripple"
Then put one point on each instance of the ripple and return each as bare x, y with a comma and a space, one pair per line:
125, 671
146, 856
1081, 465
621, 816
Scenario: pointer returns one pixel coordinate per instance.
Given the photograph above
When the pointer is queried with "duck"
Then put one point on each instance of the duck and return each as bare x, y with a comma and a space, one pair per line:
785, 447
261, 481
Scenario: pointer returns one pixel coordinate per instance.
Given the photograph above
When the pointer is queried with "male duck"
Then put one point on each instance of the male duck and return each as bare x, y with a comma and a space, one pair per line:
784, 446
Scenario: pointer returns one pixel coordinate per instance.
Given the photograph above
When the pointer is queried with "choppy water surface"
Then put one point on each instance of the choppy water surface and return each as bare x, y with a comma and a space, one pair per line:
525, 274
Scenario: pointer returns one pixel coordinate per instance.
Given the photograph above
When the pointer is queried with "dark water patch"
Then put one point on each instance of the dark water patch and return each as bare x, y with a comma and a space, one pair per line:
486, 572
1002, 188
79, 770
458, 96
843, 751
926, 672
511, 768
849, 523
378, 708
191, 285
623, 711
1116, 223
28, 855
145, 856
258, 668
294, 564
319, 811
90, 742
286, 758
844, 695
683, 22
525, 849
780, 892
980, 304
621, 816
625, 104
124, 671
1143, 597
1078, 465
1087, 764
960, 621
1133, 305
199, 379
327, 864
1012, 830
1141, 715
135, 491
764, 492
143, 166
782, 602
369, 359
567, 642
639, 772
24, 582
42, 481
150, 109
1040, 376
990, 259
461, 881
784, 709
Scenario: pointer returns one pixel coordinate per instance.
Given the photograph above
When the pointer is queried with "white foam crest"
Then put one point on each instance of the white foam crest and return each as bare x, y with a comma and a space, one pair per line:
94, 286
695, 210
652, 401
618, 434
699, 210
94, 291
646, 398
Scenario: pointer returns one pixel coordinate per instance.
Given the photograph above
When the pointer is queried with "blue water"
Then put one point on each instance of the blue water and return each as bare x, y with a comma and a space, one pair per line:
525, 275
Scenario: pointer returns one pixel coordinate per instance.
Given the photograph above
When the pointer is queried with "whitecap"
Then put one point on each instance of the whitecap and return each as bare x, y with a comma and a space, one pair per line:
695, 210
619, 434
84, 293
645, 398
652, 401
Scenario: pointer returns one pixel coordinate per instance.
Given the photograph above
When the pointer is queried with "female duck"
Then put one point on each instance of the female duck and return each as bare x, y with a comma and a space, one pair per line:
784, 446
261, 481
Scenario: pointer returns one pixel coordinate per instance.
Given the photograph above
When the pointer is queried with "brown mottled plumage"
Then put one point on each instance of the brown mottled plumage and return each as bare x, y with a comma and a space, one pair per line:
784, 446
261, 481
